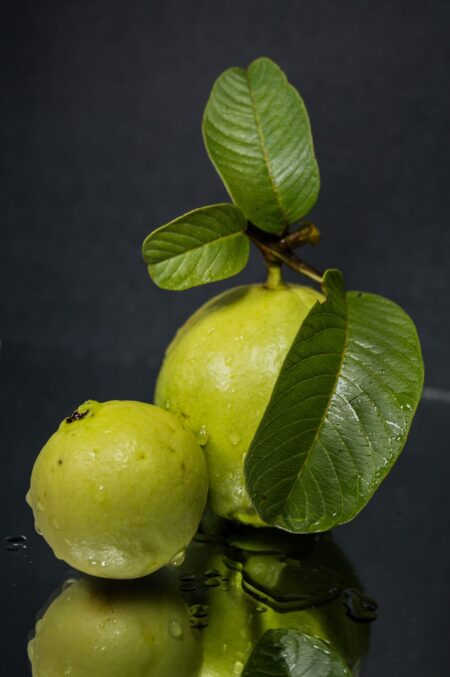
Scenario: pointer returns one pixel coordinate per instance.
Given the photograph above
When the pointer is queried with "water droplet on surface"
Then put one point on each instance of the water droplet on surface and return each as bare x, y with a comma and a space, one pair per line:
199, 615
234, 439
68, 583
360, 607
40, 507
175, 629
167, 404
16, 543
261, 609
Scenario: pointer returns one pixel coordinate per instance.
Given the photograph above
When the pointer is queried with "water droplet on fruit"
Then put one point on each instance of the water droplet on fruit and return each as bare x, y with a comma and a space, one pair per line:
261, 609
15, 543
178, 559
234, 439
175, 629
40, 507
202, 436
167, 404
237, 668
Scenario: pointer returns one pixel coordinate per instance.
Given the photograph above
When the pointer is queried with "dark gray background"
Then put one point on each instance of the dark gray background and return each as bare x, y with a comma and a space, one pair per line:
100, 142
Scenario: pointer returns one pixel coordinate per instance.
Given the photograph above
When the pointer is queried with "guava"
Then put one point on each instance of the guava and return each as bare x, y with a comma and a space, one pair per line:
218, 375
97, 628
118, 491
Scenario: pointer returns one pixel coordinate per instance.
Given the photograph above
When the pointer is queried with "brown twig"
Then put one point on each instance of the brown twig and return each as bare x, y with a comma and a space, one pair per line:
307, 234
274, 251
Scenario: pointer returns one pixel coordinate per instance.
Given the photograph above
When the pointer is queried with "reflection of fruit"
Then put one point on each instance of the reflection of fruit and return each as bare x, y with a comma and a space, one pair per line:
119, 489
110, 629
218, 375
295, 582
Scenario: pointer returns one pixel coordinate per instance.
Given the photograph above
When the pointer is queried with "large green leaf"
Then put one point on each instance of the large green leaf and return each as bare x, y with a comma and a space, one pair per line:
257, 134
205, 245
289, 653
339, 414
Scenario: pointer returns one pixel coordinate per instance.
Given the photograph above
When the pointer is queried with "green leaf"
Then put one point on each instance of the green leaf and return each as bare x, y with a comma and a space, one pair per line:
339, 414
205, 245
257, 134
289, 653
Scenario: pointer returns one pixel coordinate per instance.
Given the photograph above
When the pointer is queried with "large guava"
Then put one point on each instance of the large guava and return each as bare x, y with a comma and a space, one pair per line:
116, 629
218, 375
118, 491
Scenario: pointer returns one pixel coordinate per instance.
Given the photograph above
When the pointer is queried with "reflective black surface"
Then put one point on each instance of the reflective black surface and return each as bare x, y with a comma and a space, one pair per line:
398, 546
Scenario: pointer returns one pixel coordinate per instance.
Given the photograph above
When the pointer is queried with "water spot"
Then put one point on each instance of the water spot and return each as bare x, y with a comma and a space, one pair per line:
56, 524
16, 543
234, 439
175, 629
202, 436
40, 507
199, 615
360, 607
260, 609
178, 559
103, 563
237, 668
212, 578
167, 404
68, 583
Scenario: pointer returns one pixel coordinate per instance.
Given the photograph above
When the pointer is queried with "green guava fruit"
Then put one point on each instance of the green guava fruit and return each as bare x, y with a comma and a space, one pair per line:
118, 491
218, 375
103, 628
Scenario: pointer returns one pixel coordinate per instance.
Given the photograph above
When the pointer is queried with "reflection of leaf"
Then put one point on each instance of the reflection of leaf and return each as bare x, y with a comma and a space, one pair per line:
205, 245
339, 414
289, 653
257, 134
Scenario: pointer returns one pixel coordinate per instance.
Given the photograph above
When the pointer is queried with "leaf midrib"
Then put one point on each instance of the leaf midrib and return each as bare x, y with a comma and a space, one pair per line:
324, 415
262, 142
200, 246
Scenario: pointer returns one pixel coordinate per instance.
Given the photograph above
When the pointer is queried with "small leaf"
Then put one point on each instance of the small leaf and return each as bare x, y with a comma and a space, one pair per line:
288, 653
257, 134
205, 245
339, 414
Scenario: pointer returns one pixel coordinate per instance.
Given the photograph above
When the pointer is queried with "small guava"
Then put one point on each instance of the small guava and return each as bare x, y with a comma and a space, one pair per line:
218, 375
118, 491
115, 629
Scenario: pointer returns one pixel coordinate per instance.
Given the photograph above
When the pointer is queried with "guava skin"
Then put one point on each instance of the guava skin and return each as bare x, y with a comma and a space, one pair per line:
115, 629
118, 491
218, 375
